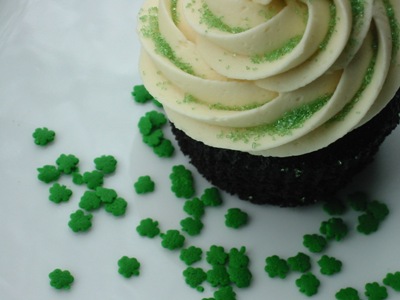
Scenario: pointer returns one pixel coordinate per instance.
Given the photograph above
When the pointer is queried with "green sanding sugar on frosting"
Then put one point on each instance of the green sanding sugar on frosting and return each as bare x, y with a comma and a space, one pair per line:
331, 26
366, 81
174, 11
277, 53
219, 106
213, 21
151, 30
289, 121
394, 26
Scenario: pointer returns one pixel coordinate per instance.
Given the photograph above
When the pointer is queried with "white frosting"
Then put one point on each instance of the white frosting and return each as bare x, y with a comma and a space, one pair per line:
273, 78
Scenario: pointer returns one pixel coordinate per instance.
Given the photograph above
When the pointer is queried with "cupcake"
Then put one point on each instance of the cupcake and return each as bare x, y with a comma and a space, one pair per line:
275, 101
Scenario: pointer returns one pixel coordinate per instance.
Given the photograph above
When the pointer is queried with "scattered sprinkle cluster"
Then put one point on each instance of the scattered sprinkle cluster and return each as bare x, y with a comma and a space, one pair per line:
333, 229
225, 269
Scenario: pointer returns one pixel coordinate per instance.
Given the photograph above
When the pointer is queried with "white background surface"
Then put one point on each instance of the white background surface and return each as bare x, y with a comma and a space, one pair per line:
70, 66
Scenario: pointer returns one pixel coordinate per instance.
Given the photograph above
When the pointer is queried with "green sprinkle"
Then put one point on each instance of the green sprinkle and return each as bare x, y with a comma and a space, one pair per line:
144, 185
216, 255
393, 280
378, 209
90, 201
106, 164
348, 293
225, 293
61, 279
194, 276
191, 226
148, 228
157, 119
212, 21
151, 30
365, 82
238, 258
191, 255
43, 136
117, 207
174, 11
374, 291
241, 277
48, 173
145, 125
308, 284
140, 94
77, 178
172, 239
331, 26
334, 228
236, 218
80, 222
300, 262
276, 267
154, 138
329, 265
128, 266
211, 197
164, 149
182, 183
289, 121
59, 193
194, 208
93, 179
394, 26
218, 276
277, 53
106, 195
67, 163
367, 224
314, 243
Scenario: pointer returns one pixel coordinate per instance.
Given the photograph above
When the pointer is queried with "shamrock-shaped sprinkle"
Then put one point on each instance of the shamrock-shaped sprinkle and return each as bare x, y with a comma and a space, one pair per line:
117, 207
192, 226
374, 291
308, 284
191, 255
148, 227
79, 221
329, 265
59, 193
172, 239
128, 266
236, 218
43, 136
276, 267
67, 163
48, 173
106, 164
61, 279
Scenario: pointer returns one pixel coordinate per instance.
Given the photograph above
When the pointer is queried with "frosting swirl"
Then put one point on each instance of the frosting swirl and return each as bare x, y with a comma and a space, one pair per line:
270, 77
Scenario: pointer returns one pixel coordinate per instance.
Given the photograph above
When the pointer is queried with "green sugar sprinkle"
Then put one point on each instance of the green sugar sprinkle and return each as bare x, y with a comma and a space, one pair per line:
219, 106
277, 53
213, 21
289, 121
394, 26
151, 30
174, 11
365, 82
331, 28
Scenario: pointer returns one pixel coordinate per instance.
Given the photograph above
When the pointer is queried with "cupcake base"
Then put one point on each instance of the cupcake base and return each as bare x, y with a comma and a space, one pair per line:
296, 180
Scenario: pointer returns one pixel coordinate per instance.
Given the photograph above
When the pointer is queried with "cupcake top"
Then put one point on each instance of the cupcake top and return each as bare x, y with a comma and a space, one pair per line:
270, 77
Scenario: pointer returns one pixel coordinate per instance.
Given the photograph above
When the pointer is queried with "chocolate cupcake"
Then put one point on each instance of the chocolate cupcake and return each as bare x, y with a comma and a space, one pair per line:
279, 102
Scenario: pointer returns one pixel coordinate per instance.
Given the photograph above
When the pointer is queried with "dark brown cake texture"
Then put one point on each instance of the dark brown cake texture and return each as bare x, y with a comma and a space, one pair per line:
296, 180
